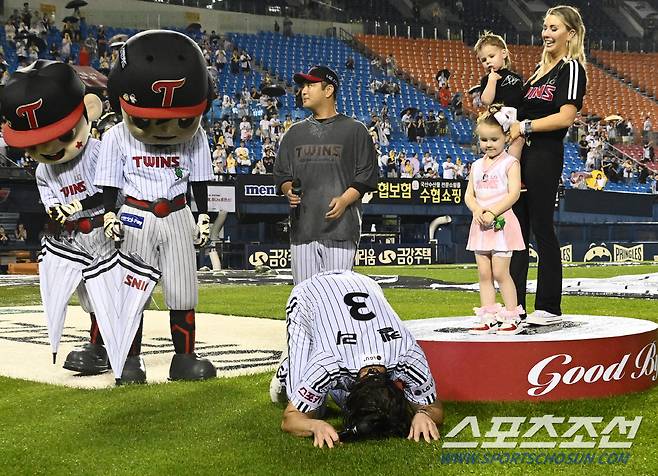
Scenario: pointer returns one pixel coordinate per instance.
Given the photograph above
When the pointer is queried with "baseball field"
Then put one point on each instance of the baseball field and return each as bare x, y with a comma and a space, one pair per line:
229, 426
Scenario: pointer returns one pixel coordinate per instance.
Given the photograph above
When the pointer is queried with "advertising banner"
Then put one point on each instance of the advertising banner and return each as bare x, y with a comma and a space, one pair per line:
278, 257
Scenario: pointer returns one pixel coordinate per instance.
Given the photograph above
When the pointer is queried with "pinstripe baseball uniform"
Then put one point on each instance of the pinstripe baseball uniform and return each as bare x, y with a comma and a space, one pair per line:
328, 157
74, 180
120, 309
337, 323
149, 172
60, 273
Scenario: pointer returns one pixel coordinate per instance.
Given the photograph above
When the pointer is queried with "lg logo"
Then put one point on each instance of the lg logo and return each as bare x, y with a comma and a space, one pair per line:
387, 256
259, 258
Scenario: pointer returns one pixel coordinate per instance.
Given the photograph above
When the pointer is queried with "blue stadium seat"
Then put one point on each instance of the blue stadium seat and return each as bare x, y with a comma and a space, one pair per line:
283, 57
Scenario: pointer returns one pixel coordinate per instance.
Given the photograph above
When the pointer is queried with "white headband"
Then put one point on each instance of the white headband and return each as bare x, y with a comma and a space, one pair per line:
505, 117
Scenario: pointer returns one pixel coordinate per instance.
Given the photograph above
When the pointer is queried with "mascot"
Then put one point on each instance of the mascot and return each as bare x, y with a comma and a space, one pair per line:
160, 86
49, 115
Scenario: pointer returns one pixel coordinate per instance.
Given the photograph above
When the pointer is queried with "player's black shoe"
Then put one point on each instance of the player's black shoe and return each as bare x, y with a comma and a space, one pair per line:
90, 359
134, 371
191, 367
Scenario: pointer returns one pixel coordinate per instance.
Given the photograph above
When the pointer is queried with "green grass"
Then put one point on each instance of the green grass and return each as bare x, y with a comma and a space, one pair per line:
409, 304
467, 273
229, 426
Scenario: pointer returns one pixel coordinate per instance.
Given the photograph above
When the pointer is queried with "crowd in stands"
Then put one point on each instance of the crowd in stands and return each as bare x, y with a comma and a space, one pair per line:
245, 127
19, 235
409, 165
417, 127
231, 159
603, 162
30, 34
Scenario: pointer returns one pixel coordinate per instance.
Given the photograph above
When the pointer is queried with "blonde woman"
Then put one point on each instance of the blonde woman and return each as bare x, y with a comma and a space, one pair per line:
552, 97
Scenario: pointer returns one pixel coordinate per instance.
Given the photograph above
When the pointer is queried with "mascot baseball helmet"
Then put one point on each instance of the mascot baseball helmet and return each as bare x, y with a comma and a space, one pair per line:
41, 102
159, 74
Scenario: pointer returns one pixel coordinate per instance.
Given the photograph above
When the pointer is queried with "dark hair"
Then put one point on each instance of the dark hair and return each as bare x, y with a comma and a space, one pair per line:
376, 407
335, 93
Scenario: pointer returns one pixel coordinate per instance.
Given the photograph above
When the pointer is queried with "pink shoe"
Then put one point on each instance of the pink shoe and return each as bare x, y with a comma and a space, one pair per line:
488, 323
509, 322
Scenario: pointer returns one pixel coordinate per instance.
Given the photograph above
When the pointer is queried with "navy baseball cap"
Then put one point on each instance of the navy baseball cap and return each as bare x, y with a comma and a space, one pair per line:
160, 74
317, 74
41, 102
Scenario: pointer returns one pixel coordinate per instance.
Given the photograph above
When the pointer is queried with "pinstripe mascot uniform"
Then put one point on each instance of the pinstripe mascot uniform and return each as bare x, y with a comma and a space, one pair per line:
160, 85
49, 115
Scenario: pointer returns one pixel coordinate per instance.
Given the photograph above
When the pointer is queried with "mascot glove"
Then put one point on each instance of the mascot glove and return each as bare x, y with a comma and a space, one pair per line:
112, 226
203, 230
60, 213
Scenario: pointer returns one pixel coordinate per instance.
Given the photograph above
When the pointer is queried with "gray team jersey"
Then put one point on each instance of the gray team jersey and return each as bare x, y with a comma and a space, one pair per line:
328, 157
72, 180
339, 322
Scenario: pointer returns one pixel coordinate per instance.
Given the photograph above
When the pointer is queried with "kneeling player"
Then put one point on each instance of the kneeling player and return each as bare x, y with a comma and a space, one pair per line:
344, 339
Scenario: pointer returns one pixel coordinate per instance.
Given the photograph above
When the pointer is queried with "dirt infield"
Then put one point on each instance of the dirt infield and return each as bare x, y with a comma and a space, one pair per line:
236, 345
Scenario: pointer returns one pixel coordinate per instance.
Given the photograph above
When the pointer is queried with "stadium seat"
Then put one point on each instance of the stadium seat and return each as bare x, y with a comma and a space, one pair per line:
284, 56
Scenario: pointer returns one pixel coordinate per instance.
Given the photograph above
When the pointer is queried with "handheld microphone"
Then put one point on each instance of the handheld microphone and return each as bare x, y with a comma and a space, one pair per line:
296, 190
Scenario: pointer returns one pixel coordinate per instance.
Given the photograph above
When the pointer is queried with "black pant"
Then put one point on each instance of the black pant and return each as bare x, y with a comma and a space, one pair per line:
541, 167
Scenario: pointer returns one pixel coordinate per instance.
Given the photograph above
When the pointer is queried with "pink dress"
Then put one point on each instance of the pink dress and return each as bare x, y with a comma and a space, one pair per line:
490, 187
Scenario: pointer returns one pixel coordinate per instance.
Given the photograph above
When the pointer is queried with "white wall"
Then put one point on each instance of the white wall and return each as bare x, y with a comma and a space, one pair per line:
143, 15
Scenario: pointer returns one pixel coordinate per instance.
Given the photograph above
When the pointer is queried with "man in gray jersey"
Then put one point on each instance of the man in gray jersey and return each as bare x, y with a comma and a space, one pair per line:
345, 340
325, 164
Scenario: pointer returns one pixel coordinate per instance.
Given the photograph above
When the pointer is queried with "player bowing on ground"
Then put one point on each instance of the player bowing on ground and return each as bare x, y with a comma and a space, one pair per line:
331, 159
160, 84
49, 115
345, 340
